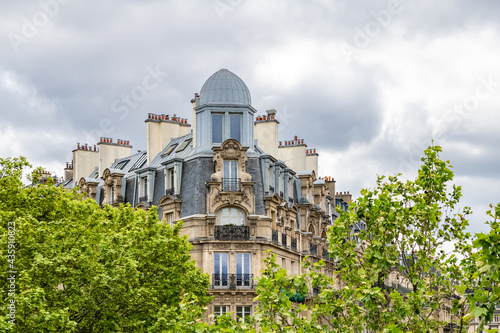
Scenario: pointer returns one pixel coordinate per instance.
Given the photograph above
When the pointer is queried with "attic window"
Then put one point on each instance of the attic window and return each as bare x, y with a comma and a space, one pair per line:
169, 150
121, 165
139, 164
184, 145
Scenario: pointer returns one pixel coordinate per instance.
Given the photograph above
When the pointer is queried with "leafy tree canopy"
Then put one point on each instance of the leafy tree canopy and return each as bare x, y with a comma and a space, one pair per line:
83, 268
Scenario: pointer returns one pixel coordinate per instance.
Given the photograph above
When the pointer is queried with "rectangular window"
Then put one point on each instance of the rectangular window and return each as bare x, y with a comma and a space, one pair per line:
221, 269
243, 270
292, 267
170, 181
217, 128
243, 312
230, 177
219, 310
235, 126
169, 217
283, 263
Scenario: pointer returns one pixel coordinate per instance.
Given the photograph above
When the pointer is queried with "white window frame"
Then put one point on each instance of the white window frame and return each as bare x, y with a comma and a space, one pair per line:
243, 311
231, 215
223, 281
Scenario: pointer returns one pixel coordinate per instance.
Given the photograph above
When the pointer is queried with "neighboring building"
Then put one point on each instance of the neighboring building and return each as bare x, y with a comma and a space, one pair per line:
238, 190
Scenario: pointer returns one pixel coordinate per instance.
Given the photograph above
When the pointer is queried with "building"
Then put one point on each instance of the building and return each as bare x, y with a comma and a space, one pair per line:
239, 190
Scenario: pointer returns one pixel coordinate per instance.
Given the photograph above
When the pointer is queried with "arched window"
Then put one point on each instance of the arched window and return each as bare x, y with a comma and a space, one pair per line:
230, 215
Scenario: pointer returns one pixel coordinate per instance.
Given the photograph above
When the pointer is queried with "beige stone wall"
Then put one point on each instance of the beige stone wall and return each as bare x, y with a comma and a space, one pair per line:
84, 162
293, 156
160, 130
109, 152
266, 134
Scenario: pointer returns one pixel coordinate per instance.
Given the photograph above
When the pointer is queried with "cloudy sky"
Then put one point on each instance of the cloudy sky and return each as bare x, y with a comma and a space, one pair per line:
367, 83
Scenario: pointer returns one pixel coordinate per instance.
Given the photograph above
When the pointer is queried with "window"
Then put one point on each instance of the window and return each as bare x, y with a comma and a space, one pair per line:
231, 215
169, 150
243, 312
221, 266
217, 127
495, 318
283, 263
235, 126
144, 187
170, 181
243, 269
169, 217
219, 310
292, 267
121, 165
184, 145
230, 180
111, 194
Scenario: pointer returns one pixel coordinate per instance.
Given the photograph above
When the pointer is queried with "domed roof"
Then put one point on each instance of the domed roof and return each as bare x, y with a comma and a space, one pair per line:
225, 87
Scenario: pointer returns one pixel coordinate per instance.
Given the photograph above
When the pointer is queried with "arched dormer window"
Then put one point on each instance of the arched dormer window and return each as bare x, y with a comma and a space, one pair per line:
230, 215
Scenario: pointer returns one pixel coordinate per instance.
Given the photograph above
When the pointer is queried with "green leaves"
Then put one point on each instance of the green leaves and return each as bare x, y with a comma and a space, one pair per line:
86, 268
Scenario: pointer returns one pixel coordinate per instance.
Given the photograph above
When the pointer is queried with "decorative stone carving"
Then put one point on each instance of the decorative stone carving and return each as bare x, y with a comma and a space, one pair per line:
240, 193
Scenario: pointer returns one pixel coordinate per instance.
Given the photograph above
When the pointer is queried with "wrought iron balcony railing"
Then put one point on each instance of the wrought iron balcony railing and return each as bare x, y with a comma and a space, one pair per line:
144, 198
232, 281
169, 191
231, 184
232, 232
294, 244
275, 236
313, 248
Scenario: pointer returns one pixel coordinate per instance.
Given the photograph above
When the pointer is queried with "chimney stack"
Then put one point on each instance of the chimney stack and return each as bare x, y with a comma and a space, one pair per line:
109, 152
266, 132
160, 129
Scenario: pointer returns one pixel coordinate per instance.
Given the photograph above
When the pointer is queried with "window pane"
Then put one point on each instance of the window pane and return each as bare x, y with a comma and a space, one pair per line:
216, 263
235, 120
217, 126
239, 263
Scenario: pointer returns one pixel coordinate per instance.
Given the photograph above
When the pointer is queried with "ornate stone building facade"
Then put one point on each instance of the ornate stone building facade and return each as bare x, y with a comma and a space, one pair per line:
239, 191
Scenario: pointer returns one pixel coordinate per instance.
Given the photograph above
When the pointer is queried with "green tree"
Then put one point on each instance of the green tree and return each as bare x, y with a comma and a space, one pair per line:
407, 226
83, 268
481, 285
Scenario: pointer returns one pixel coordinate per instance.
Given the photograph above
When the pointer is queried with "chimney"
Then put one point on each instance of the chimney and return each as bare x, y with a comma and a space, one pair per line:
160, 129
312, 160
109, 152
84, 163
266, 132
293, 153
68, 171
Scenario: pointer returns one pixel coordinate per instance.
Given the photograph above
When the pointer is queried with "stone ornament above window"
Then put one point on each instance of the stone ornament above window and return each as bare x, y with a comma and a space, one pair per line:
230, 150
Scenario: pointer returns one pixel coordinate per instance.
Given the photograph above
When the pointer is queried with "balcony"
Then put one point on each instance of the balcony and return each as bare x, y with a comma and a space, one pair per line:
169, 191
231, 184
294, 244
144, 198
232, 232
313, 248
232, 281
275, 237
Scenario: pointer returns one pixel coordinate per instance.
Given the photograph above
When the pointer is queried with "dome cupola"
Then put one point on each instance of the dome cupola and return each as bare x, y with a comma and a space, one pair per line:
224, 87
